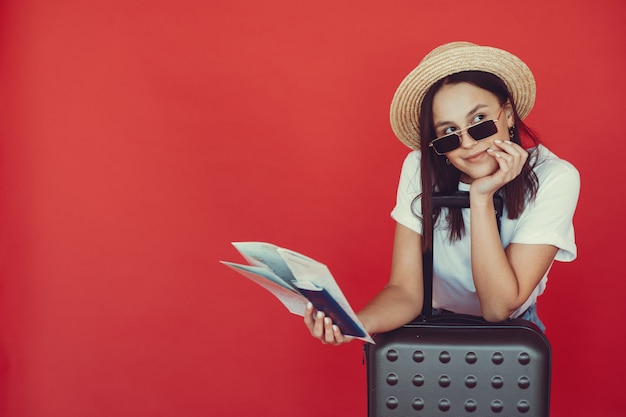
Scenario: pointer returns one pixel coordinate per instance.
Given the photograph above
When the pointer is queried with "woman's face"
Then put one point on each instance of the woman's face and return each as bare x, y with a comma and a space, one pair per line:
458, 106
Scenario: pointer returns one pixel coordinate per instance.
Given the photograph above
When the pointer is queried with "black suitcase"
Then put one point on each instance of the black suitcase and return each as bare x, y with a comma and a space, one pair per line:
458, 365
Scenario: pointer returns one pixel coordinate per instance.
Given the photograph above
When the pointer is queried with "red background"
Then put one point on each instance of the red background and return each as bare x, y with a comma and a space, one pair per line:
140, 137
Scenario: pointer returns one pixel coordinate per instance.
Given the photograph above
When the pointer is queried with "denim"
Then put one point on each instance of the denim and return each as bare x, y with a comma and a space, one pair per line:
531, 315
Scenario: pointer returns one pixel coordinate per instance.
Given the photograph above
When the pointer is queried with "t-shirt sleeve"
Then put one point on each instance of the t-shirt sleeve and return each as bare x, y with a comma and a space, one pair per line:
549, 219
408, 210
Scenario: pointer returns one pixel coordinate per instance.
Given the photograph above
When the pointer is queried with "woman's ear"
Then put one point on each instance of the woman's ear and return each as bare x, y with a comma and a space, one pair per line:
508, 111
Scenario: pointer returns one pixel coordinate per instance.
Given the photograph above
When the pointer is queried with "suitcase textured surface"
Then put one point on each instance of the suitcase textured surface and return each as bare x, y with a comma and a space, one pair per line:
451, 368
457, 365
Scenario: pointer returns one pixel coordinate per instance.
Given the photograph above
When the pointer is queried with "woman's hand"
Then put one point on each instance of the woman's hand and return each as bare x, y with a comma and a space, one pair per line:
511, 159
322, 327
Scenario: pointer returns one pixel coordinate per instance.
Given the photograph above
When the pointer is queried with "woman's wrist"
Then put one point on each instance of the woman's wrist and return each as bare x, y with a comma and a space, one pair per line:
481, 201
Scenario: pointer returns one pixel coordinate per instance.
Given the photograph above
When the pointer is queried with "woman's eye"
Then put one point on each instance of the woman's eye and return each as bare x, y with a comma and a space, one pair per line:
478, 118
448, 130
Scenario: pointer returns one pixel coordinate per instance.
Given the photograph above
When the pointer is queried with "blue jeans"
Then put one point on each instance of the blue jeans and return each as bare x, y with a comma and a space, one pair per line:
531, 315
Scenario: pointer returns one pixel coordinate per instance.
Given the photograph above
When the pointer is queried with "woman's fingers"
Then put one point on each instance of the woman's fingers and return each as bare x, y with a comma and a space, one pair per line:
314, 321
322, 327
512, 150
329, 334
318, 327
340, 337
511, 158
308, 316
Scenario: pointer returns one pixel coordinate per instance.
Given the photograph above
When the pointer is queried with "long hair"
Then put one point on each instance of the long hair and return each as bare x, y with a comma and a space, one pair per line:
437, 175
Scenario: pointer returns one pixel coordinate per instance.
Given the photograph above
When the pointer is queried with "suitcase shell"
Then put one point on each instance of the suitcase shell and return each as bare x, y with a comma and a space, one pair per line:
459, 366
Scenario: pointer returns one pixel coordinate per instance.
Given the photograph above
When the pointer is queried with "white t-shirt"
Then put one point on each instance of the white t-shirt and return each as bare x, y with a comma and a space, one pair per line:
546, 220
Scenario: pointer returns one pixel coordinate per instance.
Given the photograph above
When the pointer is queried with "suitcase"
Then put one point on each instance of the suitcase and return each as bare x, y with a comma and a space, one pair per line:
458, 365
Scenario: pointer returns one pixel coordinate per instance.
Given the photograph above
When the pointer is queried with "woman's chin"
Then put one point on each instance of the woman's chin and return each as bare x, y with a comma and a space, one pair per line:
477, 173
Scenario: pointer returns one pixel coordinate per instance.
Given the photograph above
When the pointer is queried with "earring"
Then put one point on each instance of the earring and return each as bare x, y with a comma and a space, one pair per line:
512, 132
448, 161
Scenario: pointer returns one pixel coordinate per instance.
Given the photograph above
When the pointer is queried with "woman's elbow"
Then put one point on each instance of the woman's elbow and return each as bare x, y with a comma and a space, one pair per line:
495, 315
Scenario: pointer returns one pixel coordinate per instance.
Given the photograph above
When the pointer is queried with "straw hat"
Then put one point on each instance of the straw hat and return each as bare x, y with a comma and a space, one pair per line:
449, 59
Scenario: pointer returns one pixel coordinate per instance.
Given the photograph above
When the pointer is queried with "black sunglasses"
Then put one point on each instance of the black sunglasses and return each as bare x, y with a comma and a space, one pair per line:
452, 141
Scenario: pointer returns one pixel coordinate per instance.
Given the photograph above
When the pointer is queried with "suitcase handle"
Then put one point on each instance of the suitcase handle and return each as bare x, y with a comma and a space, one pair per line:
448, 316
457, 199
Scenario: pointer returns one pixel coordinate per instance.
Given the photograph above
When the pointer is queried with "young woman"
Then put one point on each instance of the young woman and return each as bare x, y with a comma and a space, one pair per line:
461, 112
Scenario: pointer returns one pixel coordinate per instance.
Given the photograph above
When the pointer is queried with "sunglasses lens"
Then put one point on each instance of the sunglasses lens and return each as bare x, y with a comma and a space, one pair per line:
483, 130
446, 143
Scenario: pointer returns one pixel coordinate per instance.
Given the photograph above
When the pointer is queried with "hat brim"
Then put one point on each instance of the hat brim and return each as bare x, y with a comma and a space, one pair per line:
450, 59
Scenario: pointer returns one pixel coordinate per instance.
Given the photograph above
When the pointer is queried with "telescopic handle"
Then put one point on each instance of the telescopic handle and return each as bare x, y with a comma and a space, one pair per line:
458, 199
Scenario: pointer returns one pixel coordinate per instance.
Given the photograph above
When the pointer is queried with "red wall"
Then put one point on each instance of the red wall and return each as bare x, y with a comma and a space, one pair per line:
138, 138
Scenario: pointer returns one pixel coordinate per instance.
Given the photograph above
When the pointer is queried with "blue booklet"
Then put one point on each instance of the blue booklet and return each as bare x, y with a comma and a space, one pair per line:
323, 301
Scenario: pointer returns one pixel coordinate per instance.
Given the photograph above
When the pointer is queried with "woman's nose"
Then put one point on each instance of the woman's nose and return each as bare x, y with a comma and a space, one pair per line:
466, 139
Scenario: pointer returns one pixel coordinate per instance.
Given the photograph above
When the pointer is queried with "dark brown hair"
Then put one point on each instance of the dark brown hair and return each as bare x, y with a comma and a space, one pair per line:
437, 175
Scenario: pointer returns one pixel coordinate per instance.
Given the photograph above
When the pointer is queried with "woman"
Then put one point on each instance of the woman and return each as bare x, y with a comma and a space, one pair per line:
461, 112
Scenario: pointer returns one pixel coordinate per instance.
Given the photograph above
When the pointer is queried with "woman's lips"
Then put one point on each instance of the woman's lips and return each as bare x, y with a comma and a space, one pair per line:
477, 156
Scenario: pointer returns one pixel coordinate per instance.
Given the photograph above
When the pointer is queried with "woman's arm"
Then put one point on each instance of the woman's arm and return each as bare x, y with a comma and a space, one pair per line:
504, 279
398, 303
